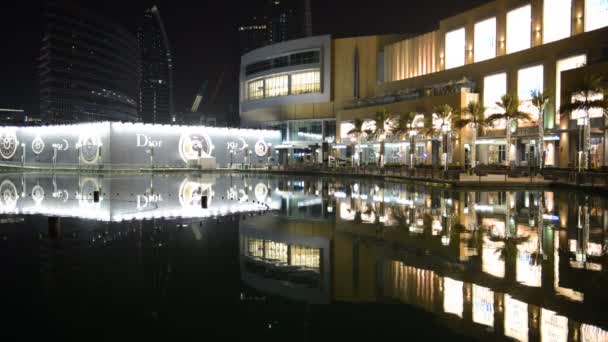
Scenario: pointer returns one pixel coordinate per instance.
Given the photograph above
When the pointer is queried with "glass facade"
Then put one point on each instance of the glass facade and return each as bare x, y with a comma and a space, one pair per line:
306, 82
596, 14
557, 20
285, 84
519, 24
454, 48
485, 40
276, 86
306, 131
256, 89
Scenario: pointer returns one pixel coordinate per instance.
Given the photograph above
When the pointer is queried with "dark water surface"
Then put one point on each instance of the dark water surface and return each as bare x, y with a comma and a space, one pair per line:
255, 257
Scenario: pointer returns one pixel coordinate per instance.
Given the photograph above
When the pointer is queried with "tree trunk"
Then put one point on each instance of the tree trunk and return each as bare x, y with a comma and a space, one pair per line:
541, 139
587, 143
474, 148
381, 157
508, 145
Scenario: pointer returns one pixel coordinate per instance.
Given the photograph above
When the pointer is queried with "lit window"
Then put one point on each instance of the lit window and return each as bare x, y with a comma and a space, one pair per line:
563, 65
519, 23
516, 319
529, 80
494, 87
277, 86
305, 257
255, 90
483, 305
485, 39
454, 48
596, 14
275, 251
256, 248
306, 82
557, 20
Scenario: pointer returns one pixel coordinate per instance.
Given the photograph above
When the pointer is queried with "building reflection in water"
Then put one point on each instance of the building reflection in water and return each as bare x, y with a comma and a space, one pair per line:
527, 265
524, 264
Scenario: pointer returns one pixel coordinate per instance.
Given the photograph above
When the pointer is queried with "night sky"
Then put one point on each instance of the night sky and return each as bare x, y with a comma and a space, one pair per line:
202, 35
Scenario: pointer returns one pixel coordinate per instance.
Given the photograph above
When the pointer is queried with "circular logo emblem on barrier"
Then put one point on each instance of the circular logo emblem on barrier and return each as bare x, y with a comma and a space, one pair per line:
261, 192
37, 194
8, 143
37, 145
191, 193
8, 196
261, 148
89, 148
194, 145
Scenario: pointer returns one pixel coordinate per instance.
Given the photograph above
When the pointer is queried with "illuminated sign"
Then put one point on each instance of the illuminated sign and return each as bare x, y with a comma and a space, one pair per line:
144, 140
238, 145
8, 143
64, 145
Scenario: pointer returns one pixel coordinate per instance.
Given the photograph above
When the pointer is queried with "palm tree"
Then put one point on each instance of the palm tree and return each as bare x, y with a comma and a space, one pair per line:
356, 132
405, 127
539, 101
444, 116
382, 128
509, 105
472, 115
586, 99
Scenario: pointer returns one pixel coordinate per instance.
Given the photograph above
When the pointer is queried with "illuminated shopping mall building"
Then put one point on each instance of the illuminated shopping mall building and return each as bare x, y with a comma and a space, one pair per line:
313, 88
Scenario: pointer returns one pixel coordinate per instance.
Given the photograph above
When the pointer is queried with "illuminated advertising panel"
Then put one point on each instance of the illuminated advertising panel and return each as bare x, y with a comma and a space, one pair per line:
118, 145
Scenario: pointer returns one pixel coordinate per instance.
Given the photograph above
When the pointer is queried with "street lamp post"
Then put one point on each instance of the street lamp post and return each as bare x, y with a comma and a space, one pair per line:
23, 155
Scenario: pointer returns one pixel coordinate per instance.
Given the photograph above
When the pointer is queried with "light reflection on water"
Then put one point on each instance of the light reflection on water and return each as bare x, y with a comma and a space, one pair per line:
520, 264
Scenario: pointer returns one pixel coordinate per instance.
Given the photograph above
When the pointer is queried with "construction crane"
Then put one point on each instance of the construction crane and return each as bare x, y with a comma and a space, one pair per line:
199, 98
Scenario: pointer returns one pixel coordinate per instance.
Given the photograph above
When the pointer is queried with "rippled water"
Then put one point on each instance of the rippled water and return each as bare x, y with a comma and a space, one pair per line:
260, 257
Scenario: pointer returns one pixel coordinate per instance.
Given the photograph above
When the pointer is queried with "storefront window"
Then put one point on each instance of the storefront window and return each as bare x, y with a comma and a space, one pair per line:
519, 25
255, 90
596, 14
557, 20
496, 154
485, 40
306, 82
277, 86
529, 80
454, 48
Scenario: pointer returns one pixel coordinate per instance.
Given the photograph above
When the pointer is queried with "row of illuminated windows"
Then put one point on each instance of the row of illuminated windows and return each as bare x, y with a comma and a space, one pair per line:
529, 79
282, 252
285, 84
557, 22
